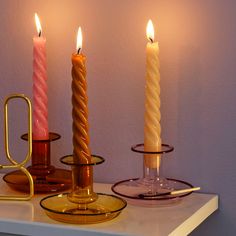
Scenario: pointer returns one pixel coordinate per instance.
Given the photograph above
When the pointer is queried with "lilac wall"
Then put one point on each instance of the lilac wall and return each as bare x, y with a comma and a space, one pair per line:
198, 54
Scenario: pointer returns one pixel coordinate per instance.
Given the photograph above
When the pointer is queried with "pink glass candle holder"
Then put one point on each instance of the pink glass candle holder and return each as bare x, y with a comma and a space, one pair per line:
153, 188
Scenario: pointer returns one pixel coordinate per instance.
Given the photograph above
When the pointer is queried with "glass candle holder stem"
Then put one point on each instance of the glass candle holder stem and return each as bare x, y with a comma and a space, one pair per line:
82, 180
151, 172
82, 185
41, 161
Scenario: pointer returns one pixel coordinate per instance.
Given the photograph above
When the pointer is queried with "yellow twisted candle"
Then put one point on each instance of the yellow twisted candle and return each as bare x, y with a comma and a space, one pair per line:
152, 128
81, 150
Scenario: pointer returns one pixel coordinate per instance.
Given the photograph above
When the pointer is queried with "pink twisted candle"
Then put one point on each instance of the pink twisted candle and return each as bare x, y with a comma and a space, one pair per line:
40, 100
152, 128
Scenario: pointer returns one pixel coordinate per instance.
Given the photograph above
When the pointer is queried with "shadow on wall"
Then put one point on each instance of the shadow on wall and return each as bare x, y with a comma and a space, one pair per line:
187, 101
189, 128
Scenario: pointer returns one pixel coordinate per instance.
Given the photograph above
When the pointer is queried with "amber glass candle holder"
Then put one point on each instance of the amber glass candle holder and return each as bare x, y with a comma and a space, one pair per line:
153, 188
82, 205
47, 178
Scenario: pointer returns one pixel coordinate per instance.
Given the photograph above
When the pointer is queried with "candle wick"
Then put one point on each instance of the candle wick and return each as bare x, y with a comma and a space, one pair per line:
151, 39
40, 32
78, 52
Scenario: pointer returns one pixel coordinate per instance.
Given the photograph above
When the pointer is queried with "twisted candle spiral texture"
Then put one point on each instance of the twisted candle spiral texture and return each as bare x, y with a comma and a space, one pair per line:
152, 128
80, 127
40, 100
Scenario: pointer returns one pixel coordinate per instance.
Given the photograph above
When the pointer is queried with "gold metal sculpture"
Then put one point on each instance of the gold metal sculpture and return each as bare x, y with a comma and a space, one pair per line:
14, 163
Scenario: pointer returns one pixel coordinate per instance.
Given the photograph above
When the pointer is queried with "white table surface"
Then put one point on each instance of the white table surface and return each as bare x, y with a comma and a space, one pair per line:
28, 218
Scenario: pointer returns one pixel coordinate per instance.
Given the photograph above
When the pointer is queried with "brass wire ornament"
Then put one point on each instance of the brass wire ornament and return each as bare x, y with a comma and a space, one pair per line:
15, 164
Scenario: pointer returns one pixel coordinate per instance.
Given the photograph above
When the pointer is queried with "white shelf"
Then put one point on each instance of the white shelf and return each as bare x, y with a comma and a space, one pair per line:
28, 218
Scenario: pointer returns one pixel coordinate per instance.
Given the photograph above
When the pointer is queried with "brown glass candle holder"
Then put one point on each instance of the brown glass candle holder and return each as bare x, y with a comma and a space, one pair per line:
47, 178
82, 205
153, 189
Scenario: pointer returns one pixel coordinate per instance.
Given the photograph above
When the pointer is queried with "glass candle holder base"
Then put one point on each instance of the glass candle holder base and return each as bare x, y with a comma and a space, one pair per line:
82, 205
47, 178
59, 180
146, 192
106, 207
153, 189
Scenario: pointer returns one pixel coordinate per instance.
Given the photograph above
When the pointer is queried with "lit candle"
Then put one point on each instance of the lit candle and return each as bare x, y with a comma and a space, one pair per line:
40, 100
152, 127
81, 151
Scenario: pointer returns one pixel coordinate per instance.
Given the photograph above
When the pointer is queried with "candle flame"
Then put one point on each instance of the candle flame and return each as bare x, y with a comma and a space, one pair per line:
38, 25
79, 40
150, 31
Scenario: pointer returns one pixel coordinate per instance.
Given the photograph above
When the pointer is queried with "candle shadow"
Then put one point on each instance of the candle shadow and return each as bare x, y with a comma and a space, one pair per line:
188, 107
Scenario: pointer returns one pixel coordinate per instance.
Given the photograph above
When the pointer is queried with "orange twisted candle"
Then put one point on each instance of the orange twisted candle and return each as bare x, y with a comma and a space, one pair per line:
81, 150
82, 175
